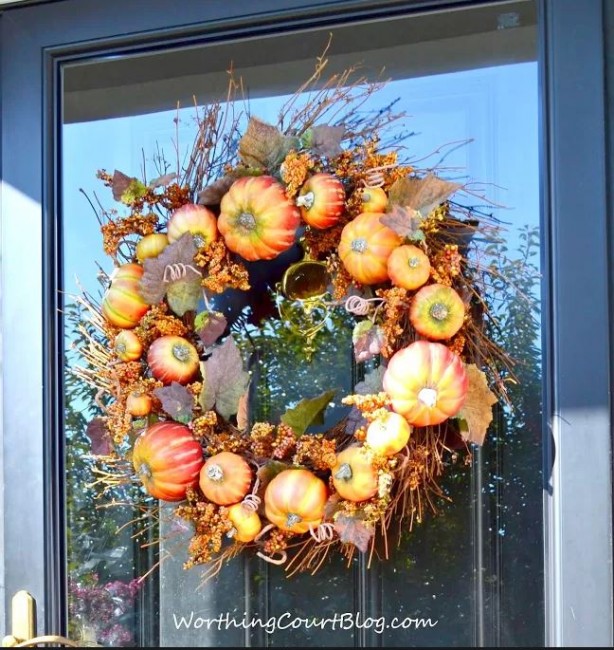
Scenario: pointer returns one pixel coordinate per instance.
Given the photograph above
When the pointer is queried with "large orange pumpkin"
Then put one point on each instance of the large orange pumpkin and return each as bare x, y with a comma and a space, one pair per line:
256, 219
225, 478
167, 459
354, 476
294, 500
322, 201
365, 246
123, 305
426, 383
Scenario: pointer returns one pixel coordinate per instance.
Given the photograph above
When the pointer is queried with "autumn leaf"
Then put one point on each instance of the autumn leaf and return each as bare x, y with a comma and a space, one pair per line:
307, 412
352, 530
372, 383
158, 272
162, 181
177, 401
354, 421
267, 472
332, 505
260, 144
225, 381
325, 140
213, 193
184, 295
100, 438
120, 183
421, 194
477, 409
210, 325
367, 339
405, 222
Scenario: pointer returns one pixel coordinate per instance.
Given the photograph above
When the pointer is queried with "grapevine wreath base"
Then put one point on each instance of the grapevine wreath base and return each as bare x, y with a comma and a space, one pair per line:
380, 239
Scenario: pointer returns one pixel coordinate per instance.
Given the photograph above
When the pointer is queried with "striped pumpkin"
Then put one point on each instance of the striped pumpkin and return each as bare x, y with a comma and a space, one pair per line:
225, 478
123, 305
322, 201
168, 460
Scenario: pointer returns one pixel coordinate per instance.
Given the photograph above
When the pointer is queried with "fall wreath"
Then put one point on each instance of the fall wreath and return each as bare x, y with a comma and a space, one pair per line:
326, 196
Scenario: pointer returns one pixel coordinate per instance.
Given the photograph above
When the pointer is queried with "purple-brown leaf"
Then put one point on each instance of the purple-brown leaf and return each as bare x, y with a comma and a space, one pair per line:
353, 531
162, 181
210, 326
100, 438
367, 339
405, 222
212, 194
177, 401
175, 262
120, 183
326, 140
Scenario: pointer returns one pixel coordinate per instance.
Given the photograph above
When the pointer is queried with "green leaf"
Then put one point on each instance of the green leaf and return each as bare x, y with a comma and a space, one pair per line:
184, 295
135, 190
307, 412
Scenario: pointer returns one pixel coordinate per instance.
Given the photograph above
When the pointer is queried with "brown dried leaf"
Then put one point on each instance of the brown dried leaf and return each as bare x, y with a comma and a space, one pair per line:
157, 270
120, 183
177, 401
162, 181
100, 438
405, 222
225, 381
421, 194
210, 325
326, 140
260, 143
477, 409
243, 411
212, 194
353, 531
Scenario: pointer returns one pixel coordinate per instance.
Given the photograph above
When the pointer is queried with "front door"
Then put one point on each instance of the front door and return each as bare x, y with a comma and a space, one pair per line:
129, 560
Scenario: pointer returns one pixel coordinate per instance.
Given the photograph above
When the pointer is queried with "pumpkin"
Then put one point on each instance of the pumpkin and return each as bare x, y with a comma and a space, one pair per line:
365, 246
426, 383
168, 460
295, 500
437, 312
408, 267
246, 523
195, 219
173, 358
388, 434
138, 404
127, 346
322, 201
257, 220
354, 476
122, 304
225, 478
374, 199
150, 246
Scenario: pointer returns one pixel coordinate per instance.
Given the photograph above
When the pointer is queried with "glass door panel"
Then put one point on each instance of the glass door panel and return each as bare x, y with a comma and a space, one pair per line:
469, 573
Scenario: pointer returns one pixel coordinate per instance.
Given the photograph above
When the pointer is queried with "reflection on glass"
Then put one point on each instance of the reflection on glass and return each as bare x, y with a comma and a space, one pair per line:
471, 568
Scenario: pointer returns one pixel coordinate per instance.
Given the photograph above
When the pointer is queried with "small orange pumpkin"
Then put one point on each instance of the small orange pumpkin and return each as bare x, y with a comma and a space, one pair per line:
123, 305
151, 246
426, 383
365, 246
257, 220
374, 199
128, 346
225, 478
437, 312
195, 219
295, 500
322, 201
138, 404
354, 476
408, 267
246, 523
388, 434
167, 459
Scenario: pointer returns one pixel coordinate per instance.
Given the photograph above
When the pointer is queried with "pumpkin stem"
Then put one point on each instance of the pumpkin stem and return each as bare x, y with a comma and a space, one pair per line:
413, 262
428, 396
439, 311
181, 352
246, 220
344, 473
359, 245
306, 200
215, 473
231, 533
292, 520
